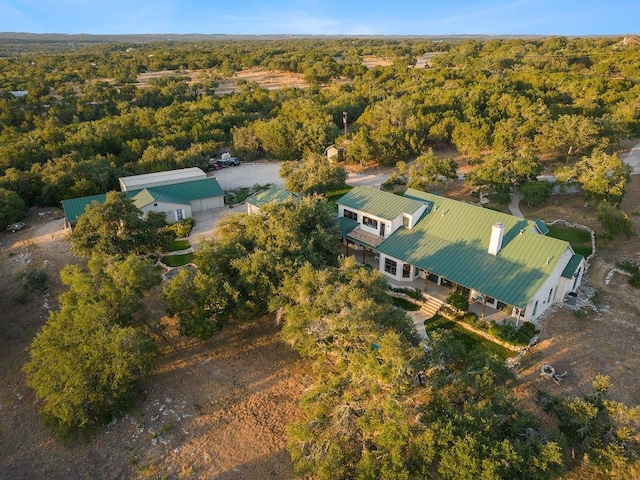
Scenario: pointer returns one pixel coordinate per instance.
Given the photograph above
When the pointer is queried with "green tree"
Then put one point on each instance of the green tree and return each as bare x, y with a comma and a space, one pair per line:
603, 176
355, 423
245, 263
83, 367
202, 302
535, 193
614, 221
428, 168
12, 207
117, 284
314, 174
604, 431
117, 227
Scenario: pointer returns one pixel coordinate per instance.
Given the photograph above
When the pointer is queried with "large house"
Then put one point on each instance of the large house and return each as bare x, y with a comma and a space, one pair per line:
176, 193
499, 260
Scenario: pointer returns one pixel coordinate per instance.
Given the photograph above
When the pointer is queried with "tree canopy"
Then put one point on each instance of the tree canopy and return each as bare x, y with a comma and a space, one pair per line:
314, 174
85, 362
245, 263
117, 227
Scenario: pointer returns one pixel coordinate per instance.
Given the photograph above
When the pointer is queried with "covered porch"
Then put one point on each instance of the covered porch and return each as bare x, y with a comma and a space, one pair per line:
432, 288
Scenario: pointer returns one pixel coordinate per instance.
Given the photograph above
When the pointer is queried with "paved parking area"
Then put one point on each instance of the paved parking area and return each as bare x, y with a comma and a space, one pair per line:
248, 174
206, 221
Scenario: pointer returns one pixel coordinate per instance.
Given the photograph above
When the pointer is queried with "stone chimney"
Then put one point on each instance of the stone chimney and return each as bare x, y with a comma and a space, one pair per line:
495, 242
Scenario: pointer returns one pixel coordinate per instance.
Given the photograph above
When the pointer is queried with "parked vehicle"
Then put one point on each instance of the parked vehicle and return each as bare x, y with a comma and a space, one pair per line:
14, 227
214, 165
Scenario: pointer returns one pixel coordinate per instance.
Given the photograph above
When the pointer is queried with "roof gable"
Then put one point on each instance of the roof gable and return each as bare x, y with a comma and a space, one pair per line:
377, 203
150, 195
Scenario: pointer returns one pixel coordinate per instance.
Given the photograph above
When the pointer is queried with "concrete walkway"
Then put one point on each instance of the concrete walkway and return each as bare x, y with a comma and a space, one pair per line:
514, 205
418, 322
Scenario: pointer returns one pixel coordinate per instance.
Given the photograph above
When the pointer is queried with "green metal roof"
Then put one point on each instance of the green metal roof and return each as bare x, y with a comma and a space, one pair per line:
272, 194
572, 266
377, 203
452, 241
204, 188
345, 225
74, 207
181, 193
542, 227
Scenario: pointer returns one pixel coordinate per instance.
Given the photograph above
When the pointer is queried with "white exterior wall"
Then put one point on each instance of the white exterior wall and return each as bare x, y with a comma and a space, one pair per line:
390, 225
567, 284
208, 203
552, 282
399, 268
168, 208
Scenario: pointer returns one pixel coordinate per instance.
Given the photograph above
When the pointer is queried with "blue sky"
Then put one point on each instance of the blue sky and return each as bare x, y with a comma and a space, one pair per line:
329, 17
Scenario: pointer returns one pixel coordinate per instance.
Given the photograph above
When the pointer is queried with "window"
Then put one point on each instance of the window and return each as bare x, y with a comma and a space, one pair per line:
550, 295
406, 270
351, 215
179, 214
390, 266
369, 222
405, 221
535, 309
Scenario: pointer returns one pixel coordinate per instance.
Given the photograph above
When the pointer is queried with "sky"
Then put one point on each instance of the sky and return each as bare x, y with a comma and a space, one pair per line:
323, 17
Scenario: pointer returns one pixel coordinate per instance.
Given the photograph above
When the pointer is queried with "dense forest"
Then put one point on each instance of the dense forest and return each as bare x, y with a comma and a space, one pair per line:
508, 105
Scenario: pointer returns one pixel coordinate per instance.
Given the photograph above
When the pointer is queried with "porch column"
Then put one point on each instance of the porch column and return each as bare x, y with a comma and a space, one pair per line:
484, 305
347, 248
426, 281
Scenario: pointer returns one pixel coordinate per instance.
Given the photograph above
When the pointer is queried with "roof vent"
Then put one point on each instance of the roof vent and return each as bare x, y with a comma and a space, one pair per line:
495, 242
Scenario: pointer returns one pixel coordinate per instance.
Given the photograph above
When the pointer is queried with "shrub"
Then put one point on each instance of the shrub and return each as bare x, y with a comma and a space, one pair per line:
408, 291
36, 280
535, 193
458, 300
471, 318
509, 333
182, 228
613, 221
526, 333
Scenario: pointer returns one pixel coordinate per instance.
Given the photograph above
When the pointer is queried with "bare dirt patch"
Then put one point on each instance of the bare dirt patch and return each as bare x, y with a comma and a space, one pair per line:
268, 79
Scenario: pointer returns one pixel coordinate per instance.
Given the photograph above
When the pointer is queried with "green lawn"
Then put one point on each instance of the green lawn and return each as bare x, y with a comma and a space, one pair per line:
405, 304
334, 195
580, 240
470, 340
176, 245
178, 260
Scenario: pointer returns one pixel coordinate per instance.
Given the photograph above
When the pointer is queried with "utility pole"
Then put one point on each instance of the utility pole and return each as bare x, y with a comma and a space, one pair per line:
344, 120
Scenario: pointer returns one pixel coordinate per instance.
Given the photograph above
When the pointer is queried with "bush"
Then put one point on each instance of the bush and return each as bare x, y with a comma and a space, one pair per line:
535, 193
181, 228
613, 221
471, 318
458, 300
510, 334
526, 333
408, 291
36, 280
